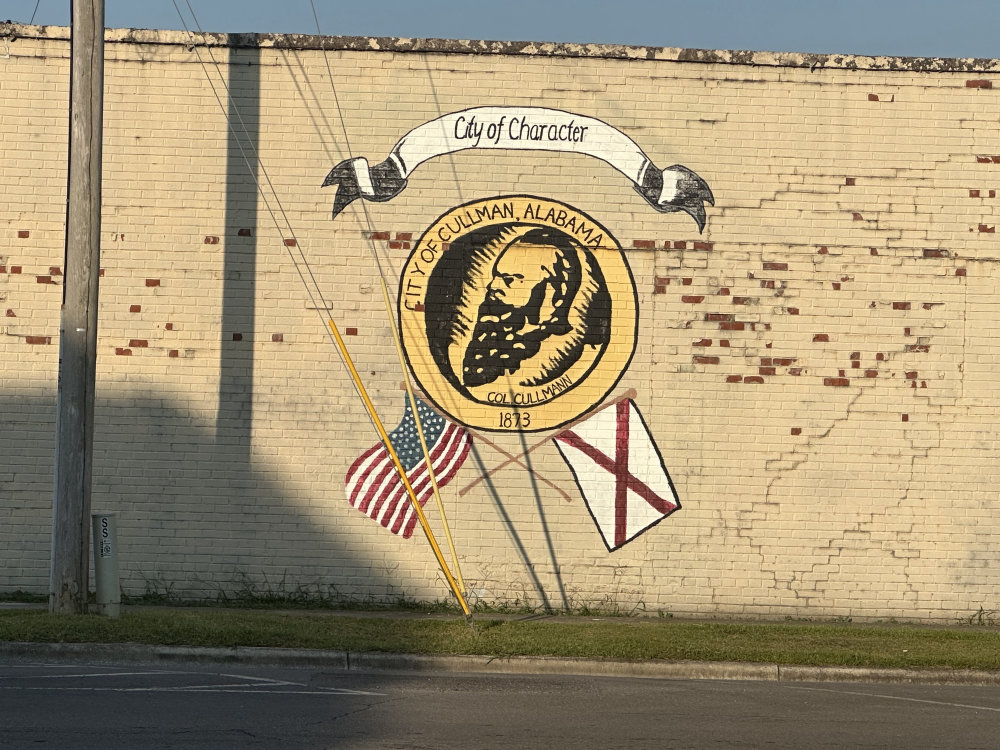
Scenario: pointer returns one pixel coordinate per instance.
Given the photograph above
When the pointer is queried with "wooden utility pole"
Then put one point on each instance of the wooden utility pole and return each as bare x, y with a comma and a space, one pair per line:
78, 328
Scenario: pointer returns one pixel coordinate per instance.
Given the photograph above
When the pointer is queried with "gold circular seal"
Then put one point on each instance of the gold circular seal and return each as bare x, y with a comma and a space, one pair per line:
517, 313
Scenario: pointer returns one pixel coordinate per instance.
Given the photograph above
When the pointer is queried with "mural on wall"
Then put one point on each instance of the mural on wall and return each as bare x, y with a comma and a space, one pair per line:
374, 487
619, 471
519, 313
675, 188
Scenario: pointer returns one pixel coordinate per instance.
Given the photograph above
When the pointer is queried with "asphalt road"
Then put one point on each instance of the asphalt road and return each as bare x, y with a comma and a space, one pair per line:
214, 705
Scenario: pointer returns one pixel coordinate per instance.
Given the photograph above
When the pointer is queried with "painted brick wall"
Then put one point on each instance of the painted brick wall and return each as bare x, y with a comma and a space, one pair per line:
815, 368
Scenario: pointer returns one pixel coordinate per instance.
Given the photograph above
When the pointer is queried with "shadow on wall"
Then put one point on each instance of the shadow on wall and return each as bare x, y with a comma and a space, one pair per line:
197, 517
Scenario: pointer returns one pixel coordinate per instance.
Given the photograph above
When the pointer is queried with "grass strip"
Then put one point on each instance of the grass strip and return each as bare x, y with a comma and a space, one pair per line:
802, 644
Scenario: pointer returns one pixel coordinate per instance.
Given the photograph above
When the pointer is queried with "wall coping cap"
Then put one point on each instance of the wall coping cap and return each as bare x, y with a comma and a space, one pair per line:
11, 31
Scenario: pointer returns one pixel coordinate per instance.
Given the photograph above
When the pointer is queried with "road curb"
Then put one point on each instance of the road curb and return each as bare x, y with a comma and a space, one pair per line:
512, 665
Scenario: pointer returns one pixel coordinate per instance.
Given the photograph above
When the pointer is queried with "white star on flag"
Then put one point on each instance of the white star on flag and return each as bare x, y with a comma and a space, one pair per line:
619, 471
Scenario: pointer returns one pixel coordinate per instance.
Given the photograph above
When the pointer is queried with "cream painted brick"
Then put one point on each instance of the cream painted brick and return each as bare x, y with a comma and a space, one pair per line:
857, 514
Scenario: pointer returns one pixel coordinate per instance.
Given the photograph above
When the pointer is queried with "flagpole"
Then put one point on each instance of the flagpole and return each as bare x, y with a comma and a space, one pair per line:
399, 468
420, 434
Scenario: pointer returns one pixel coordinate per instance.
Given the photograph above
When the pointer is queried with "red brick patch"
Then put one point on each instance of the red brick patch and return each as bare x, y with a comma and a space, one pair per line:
820, 338
351, 332
37, 339
836, 382
979, 83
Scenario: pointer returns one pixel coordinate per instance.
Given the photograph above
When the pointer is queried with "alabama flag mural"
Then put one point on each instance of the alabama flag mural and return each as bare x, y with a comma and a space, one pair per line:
619, 471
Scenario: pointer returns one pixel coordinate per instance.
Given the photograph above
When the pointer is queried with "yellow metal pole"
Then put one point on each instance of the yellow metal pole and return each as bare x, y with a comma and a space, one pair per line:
399, 468
423, 440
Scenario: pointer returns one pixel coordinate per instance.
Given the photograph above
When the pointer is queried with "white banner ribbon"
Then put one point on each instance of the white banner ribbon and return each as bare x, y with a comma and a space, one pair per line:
675, 188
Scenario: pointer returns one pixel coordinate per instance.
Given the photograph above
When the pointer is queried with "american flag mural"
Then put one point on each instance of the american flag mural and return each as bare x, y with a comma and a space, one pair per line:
373, 485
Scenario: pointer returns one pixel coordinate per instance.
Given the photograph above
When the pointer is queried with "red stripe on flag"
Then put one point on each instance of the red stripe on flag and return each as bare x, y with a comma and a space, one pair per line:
621, 469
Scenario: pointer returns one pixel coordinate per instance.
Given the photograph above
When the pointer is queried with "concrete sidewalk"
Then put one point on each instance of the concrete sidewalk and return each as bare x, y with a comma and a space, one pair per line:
519, 665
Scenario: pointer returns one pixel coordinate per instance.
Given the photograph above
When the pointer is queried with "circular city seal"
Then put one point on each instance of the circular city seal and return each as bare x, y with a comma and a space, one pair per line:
517, 313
